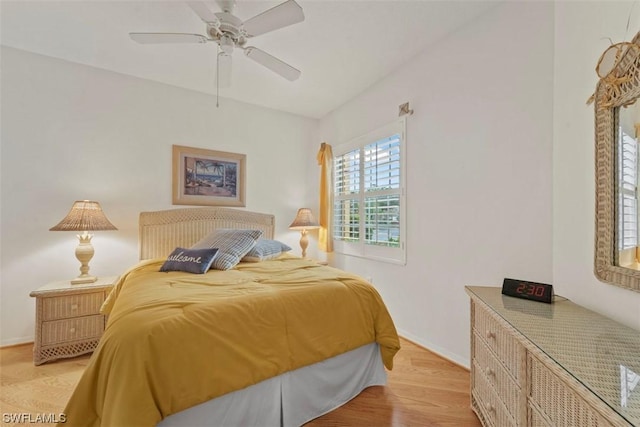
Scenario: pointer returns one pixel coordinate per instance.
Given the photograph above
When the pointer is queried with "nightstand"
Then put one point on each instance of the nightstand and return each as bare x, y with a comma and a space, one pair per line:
68, 319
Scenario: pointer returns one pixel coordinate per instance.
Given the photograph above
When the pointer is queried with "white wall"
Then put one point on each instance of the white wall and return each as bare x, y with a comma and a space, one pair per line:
582, 32
72, 132
495, 101
479, 169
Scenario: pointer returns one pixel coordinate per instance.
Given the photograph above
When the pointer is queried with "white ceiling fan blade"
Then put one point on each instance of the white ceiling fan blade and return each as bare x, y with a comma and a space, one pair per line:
226, 6
272, 63
203, 11
224, 70
280, 16
149, 38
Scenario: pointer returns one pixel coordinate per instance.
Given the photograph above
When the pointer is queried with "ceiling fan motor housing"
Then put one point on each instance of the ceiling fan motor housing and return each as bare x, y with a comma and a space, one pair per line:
228, 26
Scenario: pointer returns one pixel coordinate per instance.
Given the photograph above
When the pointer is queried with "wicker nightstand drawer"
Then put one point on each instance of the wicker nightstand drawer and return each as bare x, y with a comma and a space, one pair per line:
70, 306
68, 322
505, 346
80, 328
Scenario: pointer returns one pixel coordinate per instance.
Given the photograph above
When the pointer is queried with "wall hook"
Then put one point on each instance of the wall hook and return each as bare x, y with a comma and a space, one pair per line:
404, 110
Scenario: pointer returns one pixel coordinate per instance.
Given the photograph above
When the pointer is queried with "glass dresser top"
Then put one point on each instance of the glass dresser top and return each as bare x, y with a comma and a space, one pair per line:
597, 351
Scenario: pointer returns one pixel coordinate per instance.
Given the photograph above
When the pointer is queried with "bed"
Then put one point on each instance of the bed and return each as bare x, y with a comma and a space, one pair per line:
271, 343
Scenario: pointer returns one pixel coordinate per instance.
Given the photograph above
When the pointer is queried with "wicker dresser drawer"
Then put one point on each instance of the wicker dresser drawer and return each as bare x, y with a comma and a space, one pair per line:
488, 402
503, 344
79, 328
68, 306
498, 378
536, 419
561, 405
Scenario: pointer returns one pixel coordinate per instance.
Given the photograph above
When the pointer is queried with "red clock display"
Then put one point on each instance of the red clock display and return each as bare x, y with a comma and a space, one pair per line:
528, 290
531, 289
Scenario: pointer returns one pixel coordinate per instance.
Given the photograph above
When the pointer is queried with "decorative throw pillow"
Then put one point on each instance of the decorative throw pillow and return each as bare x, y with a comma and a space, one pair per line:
196, 261
265, 249
232, 245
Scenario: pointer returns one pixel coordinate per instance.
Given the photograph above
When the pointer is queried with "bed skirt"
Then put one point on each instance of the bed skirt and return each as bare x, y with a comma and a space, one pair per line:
293, 398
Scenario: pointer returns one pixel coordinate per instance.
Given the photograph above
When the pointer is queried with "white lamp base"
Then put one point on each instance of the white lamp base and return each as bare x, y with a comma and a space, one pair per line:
304, 242
84, 253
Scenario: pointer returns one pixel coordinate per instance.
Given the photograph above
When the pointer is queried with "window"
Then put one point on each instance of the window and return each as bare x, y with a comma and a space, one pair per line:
627, 191
369, 208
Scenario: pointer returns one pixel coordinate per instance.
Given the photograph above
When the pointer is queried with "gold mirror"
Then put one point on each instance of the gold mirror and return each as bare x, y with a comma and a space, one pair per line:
616, 190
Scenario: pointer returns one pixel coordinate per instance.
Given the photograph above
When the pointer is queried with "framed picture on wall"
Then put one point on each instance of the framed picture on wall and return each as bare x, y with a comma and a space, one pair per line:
208, 177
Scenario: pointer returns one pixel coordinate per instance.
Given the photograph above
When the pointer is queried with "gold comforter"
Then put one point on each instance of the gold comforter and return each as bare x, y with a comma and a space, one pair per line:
174, 340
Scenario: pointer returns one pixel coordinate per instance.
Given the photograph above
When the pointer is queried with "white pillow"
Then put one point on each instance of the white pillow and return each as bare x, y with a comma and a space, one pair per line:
232, 245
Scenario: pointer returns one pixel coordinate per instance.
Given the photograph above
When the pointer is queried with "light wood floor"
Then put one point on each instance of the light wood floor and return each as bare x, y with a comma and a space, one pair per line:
423, 390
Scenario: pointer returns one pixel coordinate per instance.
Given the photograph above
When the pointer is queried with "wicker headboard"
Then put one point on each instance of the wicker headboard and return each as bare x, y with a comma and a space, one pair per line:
162, 231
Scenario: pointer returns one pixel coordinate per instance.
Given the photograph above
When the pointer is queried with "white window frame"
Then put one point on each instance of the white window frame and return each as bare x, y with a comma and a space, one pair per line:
628, 166
395, 255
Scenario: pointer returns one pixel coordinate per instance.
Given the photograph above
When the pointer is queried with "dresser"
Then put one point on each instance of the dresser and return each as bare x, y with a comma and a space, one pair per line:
68, 319
559, 364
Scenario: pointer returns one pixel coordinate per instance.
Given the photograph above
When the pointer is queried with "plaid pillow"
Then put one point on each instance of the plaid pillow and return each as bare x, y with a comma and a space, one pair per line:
232, 245
265, 249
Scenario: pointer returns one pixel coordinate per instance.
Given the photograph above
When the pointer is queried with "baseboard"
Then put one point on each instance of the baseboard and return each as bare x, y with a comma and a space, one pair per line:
12, 342
453, 358
18, 344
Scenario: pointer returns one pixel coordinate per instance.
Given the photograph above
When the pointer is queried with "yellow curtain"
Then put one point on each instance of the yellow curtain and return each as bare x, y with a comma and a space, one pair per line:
325, 160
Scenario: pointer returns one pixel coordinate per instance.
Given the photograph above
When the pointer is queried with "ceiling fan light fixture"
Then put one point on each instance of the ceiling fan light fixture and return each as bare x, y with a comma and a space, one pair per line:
226, 44
223, 77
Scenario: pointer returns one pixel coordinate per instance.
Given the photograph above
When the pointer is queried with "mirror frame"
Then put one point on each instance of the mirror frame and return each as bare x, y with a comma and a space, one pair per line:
619, 88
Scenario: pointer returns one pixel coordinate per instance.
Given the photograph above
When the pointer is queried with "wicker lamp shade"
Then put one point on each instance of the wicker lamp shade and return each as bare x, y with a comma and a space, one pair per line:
304, 221
85, 216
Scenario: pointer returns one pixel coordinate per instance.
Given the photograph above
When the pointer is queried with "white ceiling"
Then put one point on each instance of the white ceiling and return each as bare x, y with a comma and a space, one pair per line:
342, 47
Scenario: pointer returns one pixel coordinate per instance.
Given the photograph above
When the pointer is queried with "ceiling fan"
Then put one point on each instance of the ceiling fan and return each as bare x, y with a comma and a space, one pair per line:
229, 32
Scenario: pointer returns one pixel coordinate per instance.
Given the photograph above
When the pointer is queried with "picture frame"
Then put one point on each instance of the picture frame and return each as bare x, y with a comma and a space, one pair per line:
204, 177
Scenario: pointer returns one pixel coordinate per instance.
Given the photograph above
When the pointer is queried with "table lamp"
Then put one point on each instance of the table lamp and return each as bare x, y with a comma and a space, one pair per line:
304, 221
85, 216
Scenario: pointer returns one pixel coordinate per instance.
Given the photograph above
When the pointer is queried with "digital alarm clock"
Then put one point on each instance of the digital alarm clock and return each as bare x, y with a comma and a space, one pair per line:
528, 290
